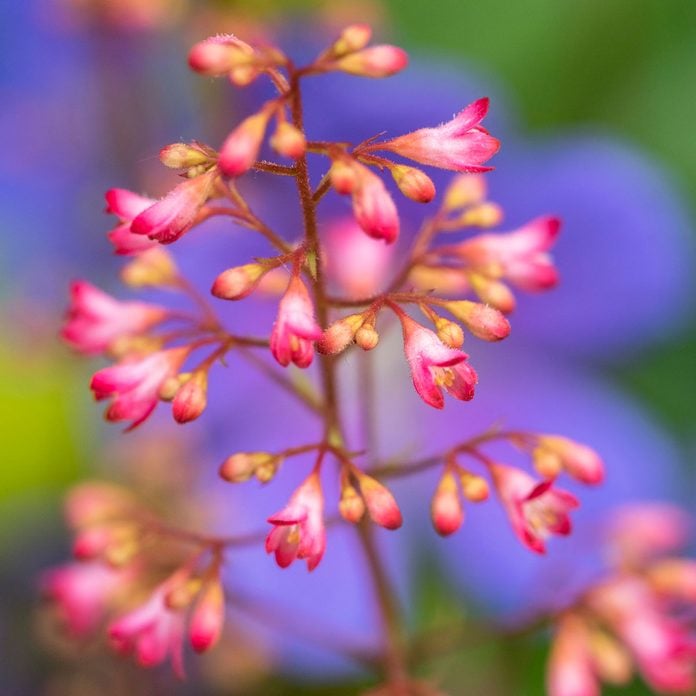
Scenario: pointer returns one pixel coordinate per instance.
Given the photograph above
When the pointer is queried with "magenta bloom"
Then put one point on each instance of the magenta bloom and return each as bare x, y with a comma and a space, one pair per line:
295, 328
299, 527
95, 320
135, 383
535, 509
374, 207
177, 212
127, 205
434, 366
460, 144
152, 631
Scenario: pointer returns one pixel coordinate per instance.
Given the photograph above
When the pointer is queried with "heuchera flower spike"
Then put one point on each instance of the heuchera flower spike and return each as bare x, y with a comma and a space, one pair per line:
295, 328
460, 144
299, 527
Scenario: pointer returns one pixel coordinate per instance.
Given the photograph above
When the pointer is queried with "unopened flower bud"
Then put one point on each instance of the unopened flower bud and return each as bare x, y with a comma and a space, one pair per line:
380, 503
191, 398
92, 503
151, 268
484, 322
241, 148
183, 156
351, 505
465, 190
92, 542
367, 337
493, 292
170, 387
483, 215
580, 461
208, 617
243, 465
183, 593
376, 61
340, 334
474, 487
219, 55
675, 578
413, 183
239, 282
449, 332
547, 463
343, 177
446, 508
611, 660
288, 141
353, 38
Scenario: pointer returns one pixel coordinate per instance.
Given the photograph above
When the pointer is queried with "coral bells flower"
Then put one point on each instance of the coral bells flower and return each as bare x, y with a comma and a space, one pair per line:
554, 453
135, 384
177, 212
299, 527
127, 205
152, 631
241, 148
208, 616
446, 507
381, 505
373, 206
295, 328
435, 366
96, 320
535, 509
570, 669
375, 61
460, 144
82, 593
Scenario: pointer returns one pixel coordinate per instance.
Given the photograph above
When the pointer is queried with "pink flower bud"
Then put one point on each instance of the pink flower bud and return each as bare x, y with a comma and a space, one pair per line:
243, 465
475, 488
460, 144
492, 292
92, 542
449, 333
288, 141
446, 508
373, 207
241, 148
177, 212
380, 503
208, 617
483, 321
127, 205
344, 178
353, 38
376, 61
413, 183
239, 282
218, 55
351, 505
340, 334
190, 400
580, 461
367, 337
154, 268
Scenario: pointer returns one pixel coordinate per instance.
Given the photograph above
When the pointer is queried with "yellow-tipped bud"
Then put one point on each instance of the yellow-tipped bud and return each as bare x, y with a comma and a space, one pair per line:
152, 268
340, 334
465, 190
483, 215
474, 487
183, 156
484, 322
413, 183
288, 141
243, 465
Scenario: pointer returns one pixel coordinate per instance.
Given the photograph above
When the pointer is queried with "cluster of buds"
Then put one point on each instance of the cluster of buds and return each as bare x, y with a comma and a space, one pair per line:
637, 616
124, 553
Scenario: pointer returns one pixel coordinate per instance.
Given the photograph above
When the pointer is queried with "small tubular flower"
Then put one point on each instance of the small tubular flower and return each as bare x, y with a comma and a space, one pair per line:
190, 399
208, 617
570, 670
374, 61
134, 384
461, 144
373, 206
241, 147
580, 461
434, 366
295, 328
174, 215
380, 503
535, 509
126, 206
446, 509
298, 530
96, 320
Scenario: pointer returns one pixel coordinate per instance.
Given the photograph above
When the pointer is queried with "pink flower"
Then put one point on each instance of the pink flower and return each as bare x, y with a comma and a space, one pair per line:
152, 631
82, 592
521, 254
373, 207
208, 617
241, 148
535, 509
135, 383
295, 328
571, 670
299, 527
177, 212
375, 61
434, 366
460, 144
580, 461
95, 320
127, 205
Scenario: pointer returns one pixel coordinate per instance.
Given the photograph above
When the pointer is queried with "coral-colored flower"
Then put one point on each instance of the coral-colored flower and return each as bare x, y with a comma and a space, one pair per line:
135, 383
95, 320
295, 327
82, 592
570, 668
241, 147
446, 510
580, 461
521, 255
379, 501
177, 212
373, 206
375, 61
127, 205
299, 527
434, 366
208, 616
535, 509
460, 144
152, 631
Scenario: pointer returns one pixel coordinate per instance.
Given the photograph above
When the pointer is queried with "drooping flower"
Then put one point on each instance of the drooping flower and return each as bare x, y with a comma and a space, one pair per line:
460, 144
375, 61
208, 617
570, 670
295, 327
174, 215
127, 205
535, 509
241, 147
135, 383
96, 320
373, 206
299, 527
435, 366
